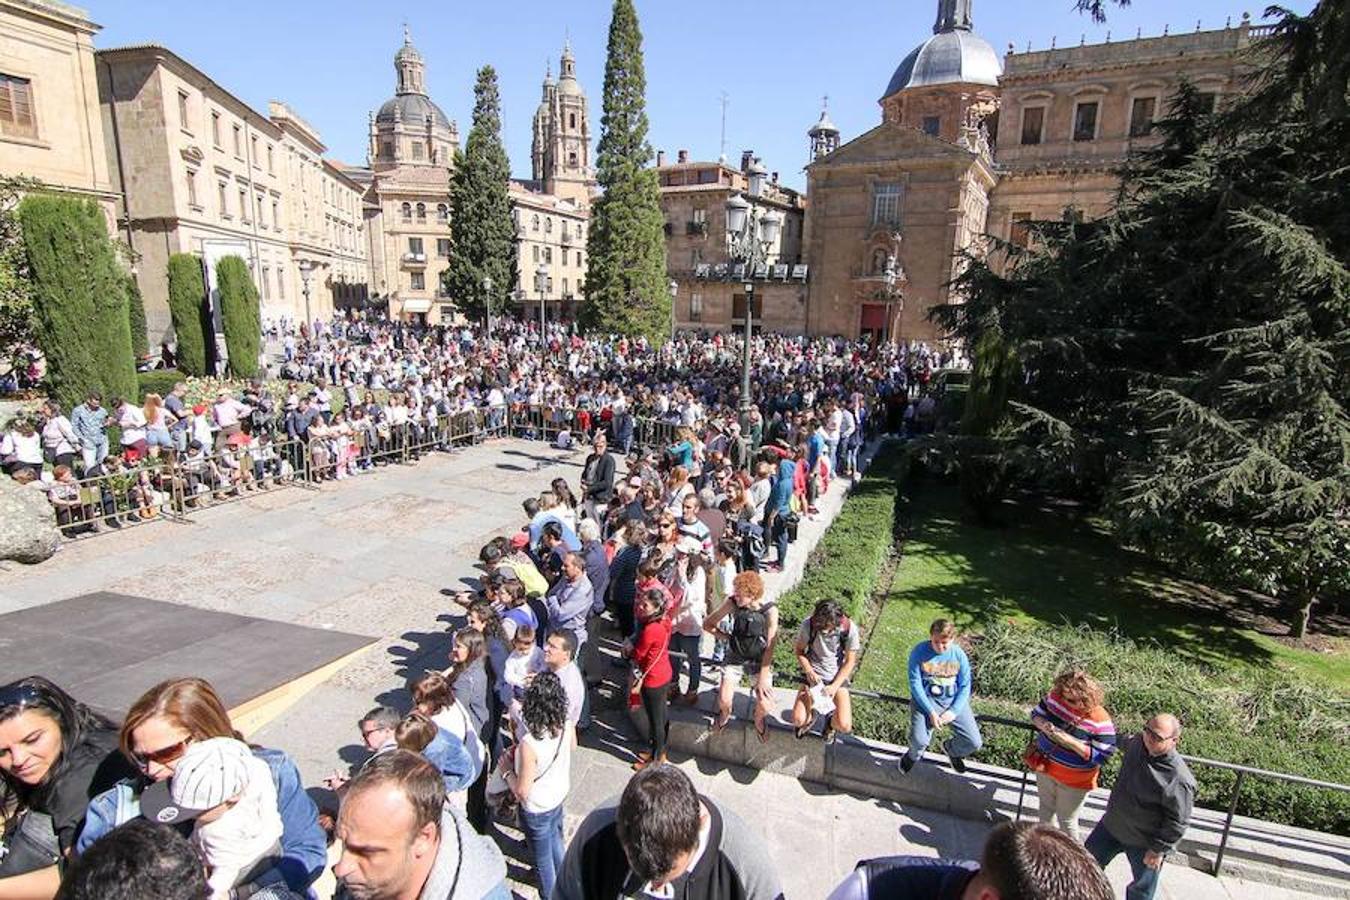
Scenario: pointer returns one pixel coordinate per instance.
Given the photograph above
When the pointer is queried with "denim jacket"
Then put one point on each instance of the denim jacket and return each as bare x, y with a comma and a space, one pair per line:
303, 845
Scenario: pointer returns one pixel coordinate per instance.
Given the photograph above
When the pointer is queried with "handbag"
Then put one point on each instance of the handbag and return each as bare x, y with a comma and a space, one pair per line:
28, 845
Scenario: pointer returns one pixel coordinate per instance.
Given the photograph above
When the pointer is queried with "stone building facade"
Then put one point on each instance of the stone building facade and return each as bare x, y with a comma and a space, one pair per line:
710, 287
50, 128
407, 202
970, 144
202, 172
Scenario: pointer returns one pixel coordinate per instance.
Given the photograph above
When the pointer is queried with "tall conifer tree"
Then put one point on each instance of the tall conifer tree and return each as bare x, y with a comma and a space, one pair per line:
482, 235
625, 249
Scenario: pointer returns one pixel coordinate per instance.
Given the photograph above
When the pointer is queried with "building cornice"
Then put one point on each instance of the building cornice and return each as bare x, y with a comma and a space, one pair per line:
63, 14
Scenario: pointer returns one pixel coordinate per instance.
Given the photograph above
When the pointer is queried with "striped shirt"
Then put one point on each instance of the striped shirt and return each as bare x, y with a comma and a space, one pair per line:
1093, 728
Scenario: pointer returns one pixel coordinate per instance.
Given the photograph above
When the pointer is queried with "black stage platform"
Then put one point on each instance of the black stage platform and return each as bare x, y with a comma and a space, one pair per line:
107, 649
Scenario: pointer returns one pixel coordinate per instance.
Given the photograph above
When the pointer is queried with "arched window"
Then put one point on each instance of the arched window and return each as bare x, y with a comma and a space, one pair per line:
442, 212
572, 120
407, 212
534, 224
548, 226
421, 212
572, 159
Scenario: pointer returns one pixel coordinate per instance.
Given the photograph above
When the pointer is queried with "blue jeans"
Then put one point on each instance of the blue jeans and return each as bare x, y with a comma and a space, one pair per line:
544, 835
779, 535
965, 741
1104, 847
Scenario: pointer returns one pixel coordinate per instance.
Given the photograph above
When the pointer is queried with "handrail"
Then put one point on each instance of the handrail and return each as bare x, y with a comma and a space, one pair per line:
1242, 770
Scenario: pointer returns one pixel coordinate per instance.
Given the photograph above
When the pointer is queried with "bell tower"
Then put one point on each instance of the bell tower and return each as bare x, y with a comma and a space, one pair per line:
560, 151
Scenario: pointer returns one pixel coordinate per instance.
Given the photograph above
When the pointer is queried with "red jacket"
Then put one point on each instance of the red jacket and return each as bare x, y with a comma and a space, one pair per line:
652, 651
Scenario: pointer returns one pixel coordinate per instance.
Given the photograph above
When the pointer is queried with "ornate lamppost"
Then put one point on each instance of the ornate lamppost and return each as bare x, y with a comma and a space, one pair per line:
751, 237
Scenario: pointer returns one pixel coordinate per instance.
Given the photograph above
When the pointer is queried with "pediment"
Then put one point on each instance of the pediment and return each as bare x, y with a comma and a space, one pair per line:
890, 141
192, 153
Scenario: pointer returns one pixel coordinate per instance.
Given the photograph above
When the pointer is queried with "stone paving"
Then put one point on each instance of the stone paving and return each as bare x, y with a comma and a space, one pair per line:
370, 555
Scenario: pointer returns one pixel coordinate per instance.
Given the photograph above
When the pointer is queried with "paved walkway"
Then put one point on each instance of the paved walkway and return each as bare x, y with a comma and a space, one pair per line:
370, 555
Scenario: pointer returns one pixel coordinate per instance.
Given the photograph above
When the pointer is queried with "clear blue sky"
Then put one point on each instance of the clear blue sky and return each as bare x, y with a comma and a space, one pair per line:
333, 61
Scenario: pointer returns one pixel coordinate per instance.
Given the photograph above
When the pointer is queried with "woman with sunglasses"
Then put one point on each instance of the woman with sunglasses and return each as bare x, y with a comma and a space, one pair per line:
157, 732
54, 754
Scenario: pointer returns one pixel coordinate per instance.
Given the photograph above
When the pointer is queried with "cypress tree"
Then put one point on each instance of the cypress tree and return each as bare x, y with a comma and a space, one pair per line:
140, 338
239, 315
187, 310
16, 306
79, 294
626, 252
482, 234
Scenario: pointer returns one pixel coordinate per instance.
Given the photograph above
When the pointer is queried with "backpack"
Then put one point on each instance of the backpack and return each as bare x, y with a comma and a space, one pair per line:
749, 634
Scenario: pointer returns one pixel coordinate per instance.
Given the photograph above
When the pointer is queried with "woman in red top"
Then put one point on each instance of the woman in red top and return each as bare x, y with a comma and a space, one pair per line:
651, 661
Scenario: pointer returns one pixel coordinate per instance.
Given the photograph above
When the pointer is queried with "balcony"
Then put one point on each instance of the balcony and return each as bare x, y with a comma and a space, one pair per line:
414, 260
566, 238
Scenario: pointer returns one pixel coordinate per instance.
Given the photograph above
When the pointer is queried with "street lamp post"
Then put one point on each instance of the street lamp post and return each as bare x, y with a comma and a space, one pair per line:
752, 236
487, 303
305, 267
674, 292
541, 277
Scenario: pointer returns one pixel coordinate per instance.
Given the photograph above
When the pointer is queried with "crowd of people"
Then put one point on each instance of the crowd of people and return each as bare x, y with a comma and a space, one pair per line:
659, 550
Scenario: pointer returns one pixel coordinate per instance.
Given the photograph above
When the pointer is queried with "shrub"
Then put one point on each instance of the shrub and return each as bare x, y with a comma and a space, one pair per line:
159, 382
140, 339
187, 309
79, 298
850, 557
239, 315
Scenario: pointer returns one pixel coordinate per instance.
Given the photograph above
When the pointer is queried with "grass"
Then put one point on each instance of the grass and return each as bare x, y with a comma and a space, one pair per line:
1046, 567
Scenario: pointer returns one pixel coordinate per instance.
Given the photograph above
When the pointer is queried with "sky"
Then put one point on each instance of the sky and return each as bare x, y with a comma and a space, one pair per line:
775, 60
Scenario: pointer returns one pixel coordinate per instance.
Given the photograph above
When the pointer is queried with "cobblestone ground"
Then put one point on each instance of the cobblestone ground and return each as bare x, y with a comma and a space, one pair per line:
371, 554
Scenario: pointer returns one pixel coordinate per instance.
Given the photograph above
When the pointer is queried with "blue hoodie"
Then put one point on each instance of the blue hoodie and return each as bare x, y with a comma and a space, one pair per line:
939, 681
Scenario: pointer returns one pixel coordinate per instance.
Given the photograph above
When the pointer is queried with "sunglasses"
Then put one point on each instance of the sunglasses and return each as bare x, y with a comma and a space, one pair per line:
162, 756
19, 695
1159, 738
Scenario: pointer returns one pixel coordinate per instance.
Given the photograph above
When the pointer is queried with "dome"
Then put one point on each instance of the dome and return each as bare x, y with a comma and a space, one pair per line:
412, 109
824, 126
955, 56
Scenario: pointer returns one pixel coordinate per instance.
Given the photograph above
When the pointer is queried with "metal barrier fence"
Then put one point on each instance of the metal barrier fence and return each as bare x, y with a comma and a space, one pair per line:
1241, 771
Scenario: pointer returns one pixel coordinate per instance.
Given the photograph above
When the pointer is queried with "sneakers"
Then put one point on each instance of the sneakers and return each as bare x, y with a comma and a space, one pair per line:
906, 763
958, 763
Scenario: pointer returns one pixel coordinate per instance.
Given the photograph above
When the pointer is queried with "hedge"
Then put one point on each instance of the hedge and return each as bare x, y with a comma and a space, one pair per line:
240, 316
140, 338
847, 562
187, 309
79, 298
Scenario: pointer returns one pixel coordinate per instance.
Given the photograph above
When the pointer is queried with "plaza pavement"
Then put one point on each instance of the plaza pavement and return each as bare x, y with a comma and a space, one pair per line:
370, 555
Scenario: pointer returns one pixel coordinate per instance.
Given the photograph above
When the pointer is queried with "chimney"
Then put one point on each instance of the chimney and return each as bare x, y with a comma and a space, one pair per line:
747, 157
682, 157
660, 158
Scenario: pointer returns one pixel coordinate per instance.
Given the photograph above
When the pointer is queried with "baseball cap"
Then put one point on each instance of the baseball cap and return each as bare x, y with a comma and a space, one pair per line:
520, 539
635, 481
210, 773
688, 544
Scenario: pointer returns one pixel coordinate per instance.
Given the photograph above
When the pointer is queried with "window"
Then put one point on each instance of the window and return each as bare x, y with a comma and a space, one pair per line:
243, 205
695, 307
192, 188
419, 281
215, 129
1208, 101
266, 283
548, 226
738, 306
443, 248
262, 223
222, 188
566, 290
932, 125
442, 213
549, 285
700, 216
415, 245
886, 200
421, 212
572, 120
238, 142
572, 160
271, 161
418, 150
281, 281
1085, 121
695, 257
548, 256
1141, 116
1033, 124
16, 116
276, 215
253, 149
1020, 232
534, 223
407, 212
387, 149
183, 122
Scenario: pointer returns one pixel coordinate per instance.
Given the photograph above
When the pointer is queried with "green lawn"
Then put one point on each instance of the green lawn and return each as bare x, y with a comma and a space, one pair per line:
1048, 567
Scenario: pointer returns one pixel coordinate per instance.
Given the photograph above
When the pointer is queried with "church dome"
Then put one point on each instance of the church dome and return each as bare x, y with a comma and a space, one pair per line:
413, 109
955, 54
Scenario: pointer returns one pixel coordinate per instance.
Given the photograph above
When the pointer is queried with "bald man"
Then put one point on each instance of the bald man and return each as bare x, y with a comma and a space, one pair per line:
1150, 805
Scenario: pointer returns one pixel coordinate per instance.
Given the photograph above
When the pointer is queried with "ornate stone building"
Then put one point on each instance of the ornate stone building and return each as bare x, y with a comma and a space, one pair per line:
560, 152
407, 204
50, 128
202, 172
969, 144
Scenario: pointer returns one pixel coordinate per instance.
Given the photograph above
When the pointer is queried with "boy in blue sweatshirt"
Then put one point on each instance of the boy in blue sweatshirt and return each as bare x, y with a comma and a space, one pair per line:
939, 691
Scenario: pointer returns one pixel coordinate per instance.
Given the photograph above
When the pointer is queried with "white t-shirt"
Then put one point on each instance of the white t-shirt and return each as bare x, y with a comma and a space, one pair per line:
552, 768
455, 719
132, 421
693, 606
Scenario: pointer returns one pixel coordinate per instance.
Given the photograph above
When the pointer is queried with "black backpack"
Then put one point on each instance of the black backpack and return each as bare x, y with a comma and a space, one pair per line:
749, 634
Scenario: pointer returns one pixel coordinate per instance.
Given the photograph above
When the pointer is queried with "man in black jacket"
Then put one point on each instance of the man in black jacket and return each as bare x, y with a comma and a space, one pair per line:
597, 479
662, 838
